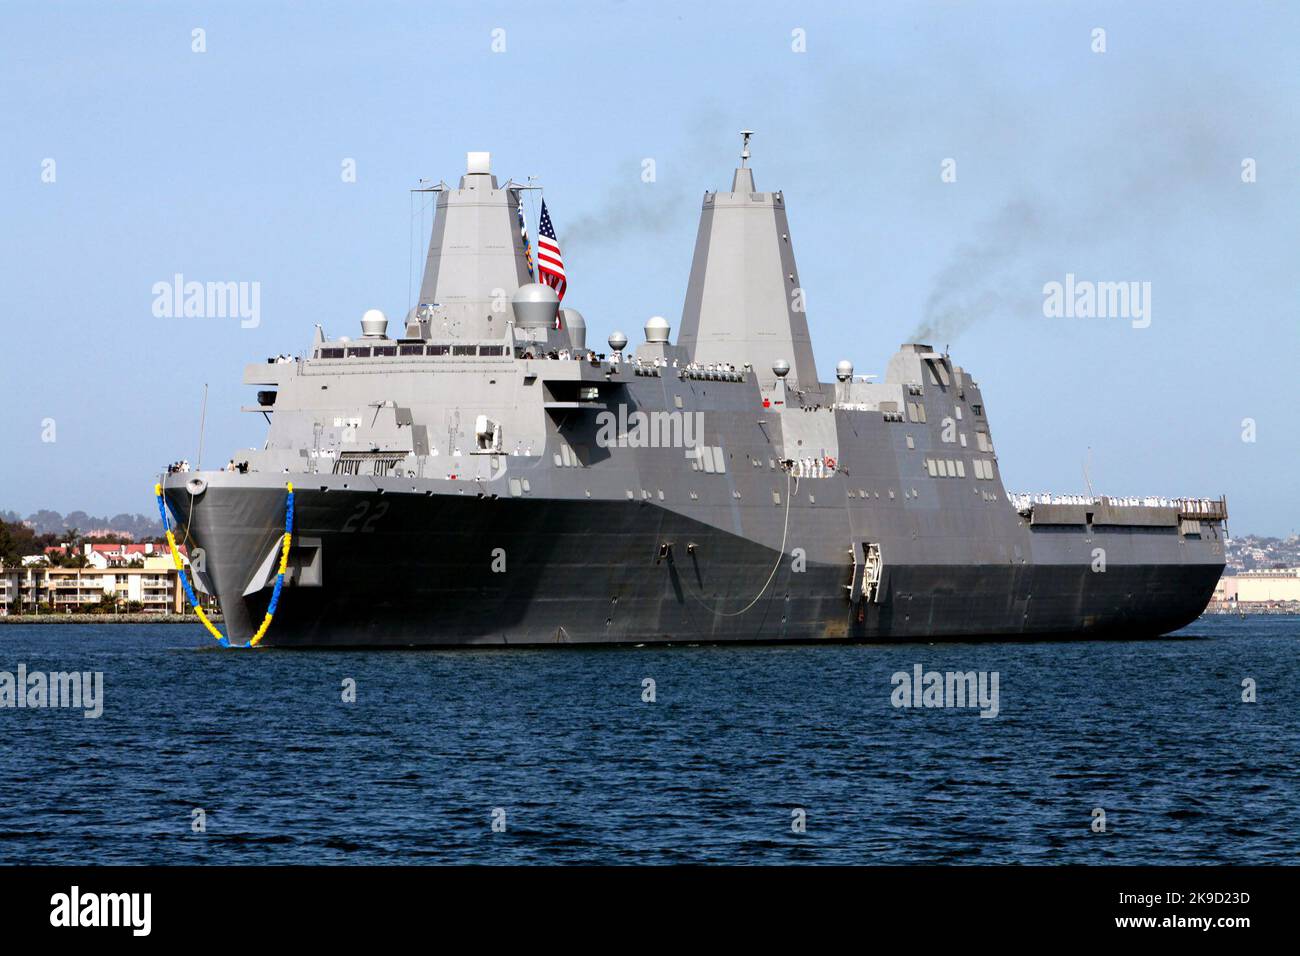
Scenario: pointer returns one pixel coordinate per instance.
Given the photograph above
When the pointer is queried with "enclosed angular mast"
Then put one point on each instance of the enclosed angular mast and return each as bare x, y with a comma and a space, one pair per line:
744, 303
476, 259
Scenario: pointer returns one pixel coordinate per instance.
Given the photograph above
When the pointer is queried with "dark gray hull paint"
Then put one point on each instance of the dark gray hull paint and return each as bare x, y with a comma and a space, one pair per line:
590, 572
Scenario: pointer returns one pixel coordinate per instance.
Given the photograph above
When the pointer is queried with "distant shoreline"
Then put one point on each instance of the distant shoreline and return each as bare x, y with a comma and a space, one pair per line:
1262, 611
104, 619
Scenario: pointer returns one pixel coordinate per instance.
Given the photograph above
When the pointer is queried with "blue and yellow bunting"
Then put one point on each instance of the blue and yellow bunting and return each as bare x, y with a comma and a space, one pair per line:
189, 590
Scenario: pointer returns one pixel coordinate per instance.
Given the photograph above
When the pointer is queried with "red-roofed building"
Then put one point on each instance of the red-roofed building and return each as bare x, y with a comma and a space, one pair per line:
119, 555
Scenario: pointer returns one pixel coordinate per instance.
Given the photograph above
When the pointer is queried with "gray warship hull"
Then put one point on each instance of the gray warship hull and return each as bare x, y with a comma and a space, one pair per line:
583, 572
485, 478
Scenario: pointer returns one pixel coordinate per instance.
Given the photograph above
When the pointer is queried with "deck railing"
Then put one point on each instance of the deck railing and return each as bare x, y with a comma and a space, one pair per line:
1198, 509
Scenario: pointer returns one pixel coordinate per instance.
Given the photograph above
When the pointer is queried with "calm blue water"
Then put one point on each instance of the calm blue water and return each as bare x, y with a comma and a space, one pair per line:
1154, 733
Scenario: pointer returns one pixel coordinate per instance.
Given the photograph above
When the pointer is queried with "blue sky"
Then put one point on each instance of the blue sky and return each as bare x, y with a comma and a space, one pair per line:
225, 166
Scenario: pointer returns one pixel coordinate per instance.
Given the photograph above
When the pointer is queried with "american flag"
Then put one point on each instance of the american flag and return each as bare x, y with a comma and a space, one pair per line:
550, 264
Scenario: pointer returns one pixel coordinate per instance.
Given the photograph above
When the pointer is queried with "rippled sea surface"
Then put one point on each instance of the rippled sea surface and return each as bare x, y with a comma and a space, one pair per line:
1154, 733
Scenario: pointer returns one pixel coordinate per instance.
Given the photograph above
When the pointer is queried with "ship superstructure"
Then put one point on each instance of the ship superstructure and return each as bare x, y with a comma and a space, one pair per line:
479, 475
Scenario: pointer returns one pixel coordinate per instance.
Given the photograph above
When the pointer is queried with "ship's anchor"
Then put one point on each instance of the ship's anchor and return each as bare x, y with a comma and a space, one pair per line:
189, 590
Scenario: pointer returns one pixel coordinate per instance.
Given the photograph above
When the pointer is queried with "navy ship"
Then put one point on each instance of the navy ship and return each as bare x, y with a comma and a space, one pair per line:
479, 475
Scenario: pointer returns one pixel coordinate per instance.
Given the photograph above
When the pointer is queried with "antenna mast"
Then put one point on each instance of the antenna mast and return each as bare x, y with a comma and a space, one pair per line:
744, 152
203, 420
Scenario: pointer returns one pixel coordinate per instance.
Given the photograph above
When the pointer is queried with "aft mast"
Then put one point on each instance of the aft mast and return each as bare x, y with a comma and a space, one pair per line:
744, 303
